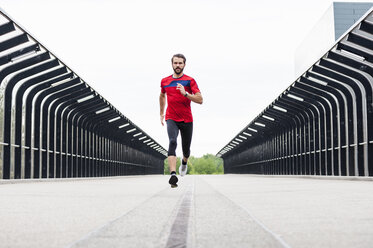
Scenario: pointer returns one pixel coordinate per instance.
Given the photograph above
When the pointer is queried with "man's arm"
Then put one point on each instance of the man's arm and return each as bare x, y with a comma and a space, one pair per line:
162, 104
197, 98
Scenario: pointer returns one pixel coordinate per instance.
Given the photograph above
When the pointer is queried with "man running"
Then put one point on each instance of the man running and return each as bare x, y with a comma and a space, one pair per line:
181, 90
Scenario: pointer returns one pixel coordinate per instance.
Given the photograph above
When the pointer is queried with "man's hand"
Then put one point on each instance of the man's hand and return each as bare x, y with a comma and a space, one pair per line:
162, 118
181, 88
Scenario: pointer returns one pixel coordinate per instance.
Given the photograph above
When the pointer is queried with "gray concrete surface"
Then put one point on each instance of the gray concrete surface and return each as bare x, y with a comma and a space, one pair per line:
305, 212
204, 211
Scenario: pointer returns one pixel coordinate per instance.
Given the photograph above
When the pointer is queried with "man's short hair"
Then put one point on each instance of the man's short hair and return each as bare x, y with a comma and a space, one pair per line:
179, 55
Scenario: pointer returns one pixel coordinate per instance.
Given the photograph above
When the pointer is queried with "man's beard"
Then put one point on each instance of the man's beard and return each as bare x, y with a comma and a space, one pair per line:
178, 70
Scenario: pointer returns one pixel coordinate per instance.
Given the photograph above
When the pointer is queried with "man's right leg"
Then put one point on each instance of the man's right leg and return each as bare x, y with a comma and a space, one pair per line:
172, 163
173, 132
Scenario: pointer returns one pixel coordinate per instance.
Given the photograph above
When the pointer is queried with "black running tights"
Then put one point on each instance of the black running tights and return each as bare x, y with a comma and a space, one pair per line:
186, 131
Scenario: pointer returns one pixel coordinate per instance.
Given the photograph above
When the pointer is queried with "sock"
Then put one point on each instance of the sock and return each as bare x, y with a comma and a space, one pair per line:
184, 163
173, 173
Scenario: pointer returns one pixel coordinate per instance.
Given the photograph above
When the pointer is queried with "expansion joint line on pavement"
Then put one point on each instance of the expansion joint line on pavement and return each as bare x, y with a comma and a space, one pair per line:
109, 223
180, 230
256, 220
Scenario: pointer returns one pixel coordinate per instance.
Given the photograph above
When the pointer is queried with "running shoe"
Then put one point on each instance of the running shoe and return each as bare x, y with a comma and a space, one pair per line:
183, 169
173, 181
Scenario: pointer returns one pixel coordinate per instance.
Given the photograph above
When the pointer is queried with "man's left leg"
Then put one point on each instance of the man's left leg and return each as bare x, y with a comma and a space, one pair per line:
186, 132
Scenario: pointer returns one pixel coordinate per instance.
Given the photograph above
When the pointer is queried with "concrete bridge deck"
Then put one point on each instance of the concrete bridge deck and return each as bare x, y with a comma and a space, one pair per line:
205, 211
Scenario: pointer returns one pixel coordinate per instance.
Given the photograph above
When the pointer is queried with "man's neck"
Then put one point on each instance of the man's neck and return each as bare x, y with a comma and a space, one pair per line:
177, 75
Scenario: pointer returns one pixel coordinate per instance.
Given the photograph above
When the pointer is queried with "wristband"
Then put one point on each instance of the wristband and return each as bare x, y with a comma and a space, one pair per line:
186, 94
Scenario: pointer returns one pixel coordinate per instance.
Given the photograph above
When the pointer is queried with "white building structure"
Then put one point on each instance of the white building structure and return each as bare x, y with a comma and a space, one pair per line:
338, 18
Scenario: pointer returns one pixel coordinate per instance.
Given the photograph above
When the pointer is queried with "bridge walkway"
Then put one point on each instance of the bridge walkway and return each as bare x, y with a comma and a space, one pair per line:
204, 211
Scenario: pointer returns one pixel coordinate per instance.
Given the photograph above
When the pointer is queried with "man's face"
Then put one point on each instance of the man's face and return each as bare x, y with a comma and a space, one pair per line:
178, 65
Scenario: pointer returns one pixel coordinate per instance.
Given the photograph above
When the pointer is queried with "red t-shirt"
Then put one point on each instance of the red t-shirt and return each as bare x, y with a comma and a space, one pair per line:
178, 106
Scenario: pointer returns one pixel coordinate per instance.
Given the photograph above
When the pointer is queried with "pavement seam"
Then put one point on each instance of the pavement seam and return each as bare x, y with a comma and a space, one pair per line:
180, 229
166, 230
256, 220
107, 224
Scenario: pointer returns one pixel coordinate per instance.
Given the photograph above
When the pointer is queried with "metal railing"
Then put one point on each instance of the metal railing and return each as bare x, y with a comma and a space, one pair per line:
53, 124
322, 124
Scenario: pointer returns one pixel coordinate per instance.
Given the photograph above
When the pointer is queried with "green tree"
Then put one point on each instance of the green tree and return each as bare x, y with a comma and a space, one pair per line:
167, 166
207, 164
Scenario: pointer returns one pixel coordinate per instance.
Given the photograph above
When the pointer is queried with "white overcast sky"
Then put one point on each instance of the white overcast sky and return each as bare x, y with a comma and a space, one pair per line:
241, 53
